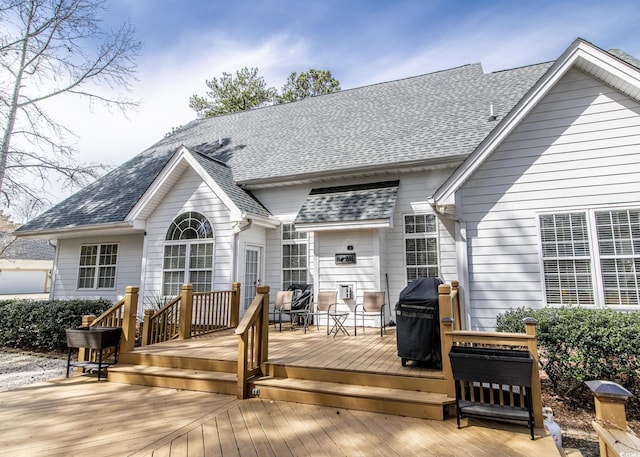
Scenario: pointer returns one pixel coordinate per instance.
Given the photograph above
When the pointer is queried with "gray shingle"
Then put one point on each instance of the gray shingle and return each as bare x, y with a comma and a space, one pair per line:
23, 249
349, 203
420, 119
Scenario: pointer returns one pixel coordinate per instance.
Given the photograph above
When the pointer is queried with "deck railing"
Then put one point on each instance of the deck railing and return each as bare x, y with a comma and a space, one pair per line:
191, 314
452, 334
122, 314
253, 345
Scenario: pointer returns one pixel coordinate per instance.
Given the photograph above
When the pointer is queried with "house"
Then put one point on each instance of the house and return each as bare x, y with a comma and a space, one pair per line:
522, 184
25, 265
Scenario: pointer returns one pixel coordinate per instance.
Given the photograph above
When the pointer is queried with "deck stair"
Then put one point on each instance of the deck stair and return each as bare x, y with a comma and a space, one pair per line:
178, 372
399, 395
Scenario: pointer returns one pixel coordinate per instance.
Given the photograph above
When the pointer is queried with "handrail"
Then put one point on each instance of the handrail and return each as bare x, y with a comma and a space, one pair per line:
253, 344
162, 325
211, 311
112, 317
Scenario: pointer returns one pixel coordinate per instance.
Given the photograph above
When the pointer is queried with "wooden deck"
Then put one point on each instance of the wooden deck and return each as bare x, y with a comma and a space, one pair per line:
81, 416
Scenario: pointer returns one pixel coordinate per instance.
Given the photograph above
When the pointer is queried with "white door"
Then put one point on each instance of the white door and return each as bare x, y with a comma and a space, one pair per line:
252, 274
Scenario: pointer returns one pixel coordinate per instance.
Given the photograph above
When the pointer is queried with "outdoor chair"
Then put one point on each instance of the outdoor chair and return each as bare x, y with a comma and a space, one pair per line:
326, 300
372, 305
281, 305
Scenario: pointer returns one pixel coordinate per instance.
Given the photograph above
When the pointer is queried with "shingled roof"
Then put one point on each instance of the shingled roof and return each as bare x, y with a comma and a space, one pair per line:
416, 120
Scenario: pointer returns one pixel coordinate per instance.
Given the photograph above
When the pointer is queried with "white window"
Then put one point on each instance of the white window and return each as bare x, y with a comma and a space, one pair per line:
420, 246
294, 256
97, 268
591, 257
188, 254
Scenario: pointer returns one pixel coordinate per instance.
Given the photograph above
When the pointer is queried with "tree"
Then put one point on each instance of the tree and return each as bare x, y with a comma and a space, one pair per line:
308, 84
46, 51
230, 95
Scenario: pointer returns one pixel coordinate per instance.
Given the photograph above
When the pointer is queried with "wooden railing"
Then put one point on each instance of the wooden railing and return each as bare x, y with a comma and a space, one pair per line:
122, 314
162, 325
615, 438
191, 314
452, 334
253, 345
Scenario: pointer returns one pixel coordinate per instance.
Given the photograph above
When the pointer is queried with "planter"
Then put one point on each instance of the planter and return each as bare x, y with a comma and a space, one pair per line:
498, 366
93, 337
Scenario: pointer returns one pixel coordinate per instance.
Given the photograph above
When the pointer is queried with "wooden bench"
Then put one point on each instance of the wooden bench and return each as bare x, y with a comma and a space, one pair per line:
493, 383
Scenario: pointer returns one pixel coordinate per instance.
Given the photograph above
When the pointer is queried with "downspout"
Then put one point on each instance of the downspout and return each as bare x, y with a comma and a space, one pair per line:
238, 228
462, 259
54, 269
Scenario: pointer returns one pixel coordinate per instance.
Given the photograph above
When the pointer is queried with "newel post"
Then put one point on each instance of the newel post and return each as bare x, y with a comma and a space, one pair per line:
446, 327
264, 324
129, 319
87, 320
234, 317
186, 312
610, 399
536, 390
146, 326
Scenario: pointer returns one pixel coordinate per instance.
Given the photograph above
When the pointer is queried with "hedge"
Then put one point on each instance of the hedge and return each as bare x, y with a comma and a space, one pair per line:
41, 325
578, 345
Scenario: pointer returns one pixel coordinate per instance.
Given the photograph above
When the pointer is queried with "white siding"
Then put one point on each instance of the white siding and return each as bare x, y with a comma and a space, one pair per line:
577, 149
383, 254
65, 272
189, 194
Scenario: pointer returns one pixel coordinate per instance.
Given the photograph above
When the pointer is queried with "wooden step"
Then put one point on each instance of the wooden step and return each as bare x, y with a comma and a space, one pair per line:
434, 384
174, 361
175, 378
401, 402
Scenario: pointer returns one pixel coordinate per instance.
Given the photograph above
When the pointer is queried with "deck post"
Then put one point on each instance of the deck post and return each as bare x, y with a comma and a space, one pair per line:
83, 353
264, 324
186, 312
609, 399
536, 390
455, 306
129, 319
146, 326
235, 305
446, 326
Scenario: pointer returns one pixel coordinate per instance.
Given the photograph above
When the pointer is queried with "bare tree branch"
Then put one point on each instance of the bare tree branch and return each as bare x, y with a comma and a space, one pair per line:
47, 49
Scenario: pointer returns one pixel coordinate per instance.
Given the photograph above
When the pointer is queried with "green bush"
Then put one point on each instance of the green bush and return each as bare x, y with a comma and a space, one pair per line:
41, 325
578, 344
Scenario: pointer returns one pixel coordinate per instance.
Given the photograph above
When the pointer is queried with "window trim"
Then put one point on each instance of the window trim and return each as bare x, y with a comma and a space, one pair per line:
422, 235
293, 241
97, 266
595, 256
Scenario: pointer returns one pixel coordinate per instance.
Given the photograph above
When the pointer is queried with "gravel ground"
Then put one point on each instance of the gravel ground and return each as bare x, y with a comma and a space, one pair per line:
19, 369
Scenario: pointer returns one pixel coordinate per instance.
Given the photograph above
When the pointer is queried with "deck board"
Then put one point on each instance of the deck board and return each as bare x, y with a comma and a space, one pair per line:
81, 416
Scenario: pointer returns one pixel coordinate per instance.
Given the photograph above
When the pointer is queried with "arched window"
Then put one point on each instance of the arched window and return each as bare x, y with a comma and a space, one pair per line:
188, 254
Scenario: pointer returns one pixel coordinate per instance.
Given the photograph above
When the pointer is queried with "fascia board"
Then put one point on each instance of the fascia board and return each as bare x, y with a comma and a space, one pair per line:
353, 225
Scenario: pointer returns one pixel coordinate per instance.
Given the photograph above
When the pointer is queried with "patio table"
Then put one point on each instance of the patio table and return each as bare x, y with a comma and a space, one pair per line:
339, 318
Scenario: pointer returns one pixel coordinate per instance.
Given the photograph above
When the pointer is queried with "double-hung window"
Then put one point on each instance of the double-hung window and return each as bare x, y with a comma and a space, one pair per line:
420, 246
97, 269
591, 257
294, 256
188, 254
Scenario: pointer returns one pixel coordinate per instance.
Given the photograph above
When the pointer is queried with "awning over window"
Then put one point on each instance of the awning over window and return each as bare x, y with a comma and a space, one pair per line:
349, 207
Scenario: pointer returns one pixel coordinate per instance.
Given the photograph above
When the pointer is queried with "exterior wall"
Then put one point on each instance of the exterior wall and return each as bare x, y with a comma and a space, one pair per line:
65, 272
577, 149
189, 194
380, 252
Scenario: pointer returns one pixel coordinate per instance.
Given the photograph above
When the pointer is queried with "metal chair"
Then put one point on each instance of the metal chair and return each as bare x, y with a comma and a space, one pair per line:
326, 300
373, 305
281, 305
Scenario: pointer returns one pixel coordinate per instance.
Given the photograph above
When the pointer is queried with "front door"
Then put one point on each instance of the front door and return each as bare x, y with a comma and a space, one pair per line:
252, 274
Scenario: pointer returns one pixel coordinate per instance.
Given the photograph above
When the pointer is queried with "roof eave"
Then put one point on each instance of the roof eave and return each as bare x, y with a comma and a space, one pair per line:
344, 225
109, 229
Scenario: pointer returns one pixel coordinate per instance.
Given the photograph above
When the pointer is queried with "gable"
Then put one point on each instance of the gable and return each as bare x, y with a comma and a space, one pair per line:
582, 56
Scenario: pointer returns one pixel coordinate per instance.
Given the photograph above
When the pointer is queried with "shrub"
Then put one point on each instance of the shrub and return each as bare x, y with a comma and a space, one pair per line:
578, 344
41, 325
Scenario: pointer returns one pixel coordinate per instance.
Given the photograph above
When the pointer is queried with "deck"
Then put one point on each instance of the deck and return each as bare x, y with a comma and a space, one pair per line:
81, 416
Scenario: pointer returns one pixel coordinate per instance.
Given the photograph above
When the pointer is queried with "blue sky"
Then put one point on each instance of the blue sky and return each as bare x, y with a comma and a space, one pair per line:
361, 42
